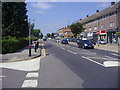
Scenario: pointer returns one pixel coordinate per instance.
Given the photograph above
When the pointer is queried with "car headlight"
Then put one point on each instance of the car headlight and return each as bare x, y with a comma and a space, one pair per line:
85, 44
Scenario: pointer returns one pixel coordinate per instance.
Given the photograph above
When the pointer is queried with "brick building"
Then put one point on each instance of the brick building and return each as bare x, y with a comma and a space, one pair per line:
102, 24
65, 32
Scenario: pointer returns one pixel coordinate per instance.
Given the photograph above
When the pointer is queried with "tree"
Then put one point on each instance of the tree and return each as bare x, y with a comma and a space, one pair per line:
14, 19
76, 28
48, 35
52, 35
35, 32
41, 35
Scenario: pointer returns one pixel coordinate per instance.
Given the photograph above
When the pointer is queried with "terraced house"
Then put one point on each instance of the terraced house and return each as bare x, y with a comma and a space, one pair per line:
103, 24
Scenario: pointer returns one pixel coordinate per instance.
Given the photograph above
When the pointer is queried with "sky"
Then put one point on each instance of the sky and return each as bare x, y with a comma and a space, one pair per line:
51, 16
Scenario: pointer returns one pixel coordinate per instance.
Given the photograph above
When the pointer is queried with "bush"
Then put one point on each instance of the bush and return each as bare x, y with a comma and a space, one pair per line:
34, 38
12, 44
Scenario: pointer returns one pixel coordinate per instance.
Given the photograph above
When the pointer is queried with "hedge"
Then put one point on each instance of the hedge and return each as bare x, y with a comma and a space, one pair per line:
12, 44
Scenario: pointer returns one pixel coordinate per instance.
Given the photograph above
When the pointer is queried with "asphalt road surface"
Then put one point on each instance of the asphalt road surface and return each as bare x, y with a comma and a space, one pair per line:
65, 66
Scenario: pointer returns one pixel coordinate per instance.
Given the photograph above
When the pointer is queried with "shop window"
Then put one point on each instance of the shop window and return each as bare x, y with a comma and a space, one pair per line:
90, 28
102, 26
95, 28
112, 24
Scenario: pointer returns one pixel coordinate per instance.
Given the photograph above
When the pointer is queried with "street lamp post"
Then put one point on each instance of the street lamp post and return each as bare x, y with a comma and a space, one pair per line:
30, 27
29, 38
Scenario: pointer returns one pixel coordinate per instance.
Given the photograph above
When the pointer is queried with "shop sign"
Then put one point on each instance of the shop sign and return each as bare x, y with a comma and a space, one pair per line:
117, 32
98, 32
104, 31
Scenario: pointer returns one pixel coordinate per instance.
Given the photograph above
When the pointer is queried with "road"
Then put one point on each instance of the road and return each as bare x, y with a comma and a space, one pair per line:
66, 66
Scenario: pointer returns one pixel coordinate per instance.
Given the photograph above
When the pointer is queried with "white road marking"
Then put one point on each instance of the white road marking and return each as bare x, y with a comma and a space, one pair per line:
62, 48
93, 61
32, 75
103, 58
87, 53
115, 54
2, 76
30, 83
71, 52
111, 57
111, 63
23, 65
86, 50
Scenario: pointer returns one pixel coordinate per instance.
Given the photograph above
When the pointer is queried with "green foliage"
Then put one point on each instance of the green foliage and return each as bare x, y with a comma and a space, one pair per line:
35, 32
12, 44
76, 28
48, 35
34, 38
41, 35
52, 35
14, 19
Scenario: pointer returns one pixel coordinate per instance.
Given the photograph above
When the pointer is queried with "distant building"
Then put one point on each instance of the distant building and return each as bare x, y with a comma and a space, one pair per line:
65, 32
102, 24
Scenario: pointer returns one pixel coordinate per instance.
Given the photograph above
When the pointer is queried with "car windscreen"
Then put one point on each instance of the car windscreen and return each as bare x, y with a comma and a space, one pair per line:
86, 41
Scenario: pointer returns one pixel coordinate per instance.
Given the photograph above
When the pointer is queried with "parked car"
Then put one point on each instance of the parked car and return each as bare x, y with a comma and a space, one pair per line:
68, 39
64, 41
85, 44
73, 40
58, 40
101, 41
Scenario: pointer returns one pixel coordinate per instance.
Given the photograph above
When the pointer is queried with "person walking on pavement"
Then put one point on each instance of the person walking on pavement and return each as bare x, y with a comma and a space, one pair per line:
36, 46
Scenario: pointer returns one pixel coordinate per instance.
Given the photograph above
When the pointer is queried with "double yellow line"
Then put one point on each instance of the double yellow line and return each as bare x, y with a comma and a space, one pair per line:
43, 53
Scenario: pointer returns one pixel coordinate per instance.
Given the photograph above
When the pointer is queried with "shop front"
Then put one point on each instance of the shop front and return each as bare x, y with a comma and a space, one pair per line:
111, 36
101, 35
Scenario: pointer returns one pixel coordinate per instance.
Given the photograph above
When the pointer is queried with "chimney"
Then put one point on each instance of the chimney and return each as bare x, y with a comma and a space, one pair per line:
87, 15
112, 3
97, 11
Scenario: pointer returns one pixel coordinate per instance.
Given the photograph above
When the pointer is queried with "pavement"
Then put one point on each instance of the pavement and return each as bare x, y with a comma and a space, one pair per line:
22, 54
108, 47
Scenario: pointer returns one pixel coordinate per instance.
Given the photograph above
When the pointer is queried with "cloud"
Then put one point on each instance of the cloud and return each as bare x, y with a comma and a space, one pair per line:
42, 5
104, 5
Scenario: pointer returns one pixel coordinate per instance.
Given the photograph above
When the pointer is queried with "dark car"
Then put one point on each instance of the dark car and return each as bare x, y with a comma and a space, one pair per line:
64, 41
73, 40
85, 44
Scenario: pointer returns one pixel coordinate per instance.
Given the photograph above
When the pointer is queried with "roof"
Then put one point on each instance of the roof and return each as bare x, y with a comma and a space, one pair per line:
101, 13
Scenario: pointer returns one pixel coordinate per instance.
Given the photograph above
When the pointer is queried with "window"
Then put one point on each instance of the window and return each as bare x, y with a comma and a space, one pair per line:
95, 28
90, 28
102, 26
112, 24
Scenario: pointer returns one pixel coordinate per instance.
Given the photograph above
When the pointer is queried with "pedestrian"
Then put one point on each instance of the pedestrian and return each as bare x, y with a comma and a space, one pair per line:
36, 46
